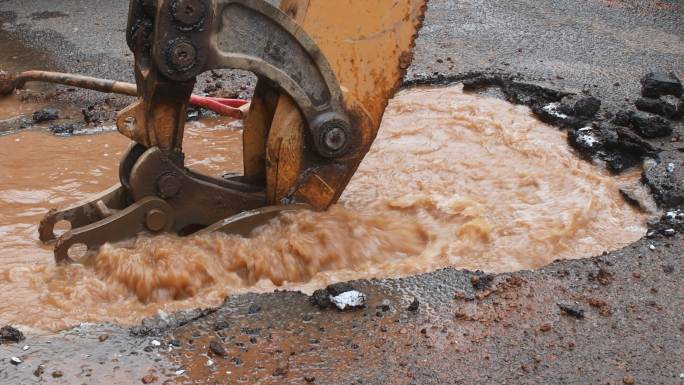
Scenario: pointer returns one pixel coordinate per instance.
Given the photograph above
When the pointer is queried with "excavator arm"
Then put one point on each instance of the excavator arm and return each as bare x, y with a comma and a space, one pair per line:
325, 69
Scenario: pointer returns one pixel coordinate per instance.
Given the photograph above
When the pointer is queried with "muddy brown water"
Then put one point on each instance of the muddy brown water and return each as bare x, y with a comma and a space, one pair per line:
452, 180
12, 106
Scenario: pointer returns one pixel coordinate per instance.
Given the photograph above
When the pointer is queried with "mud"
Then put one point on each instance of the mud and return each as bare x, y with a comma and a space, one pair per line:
16, 55
17, 110
13, 106
520, 200
46, 171
514, 326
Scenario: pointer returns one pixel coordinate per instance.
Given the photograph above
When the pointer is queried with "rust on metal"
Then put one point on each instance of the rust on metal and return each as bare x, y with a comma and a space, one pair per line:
255, 134
324, 83
9, 83
124, 225
369, 53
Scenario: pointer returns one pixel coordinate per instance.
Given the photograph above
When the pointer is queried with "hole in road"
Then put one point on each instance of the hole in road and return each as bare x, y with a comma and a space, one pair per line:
451, 180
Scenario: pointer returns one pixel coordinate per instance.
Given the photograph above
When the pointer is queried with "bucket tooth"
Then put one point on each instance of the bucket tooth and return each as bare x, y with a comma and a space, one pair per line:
326, 71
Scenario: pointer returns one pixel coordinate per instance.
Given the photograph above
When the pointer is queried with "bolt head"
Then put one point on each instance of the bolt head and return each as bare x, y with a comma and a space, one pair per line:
155, 220
189, 14
182, 55
168, 185
334, 138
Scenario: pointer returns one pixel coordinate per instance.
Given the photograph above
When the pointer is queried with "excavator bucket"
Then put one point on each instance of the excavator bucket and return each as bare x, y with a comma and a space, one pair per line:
369, 45
326, 70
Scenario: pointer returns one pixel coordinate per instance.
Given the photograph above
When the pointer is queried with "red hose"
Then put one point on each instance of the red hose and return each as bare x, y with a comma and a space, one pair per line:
227, 107
237, 103
9, 82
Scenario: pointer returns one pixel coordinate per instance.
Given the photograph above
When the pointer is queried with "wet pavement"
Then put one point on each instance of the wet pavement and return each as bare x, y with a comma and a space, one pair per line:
621, 319
511, 331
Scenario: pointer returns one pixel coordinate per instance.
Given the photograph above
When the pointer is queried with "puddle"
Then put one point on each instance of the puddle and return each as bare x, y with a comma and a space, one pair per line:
452, 180
20, 105
13, 107
17, 57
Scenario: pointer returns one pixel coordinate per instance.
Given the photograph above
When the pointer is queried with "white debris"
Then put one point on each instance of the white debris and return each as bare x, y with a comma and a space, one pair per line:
670, 232
552, 108
163, 315
681, 375
16, 360
349, 299
26, 347
651, 247
155, 343
586, 138
180, 372
649, 163
670, 167
90, 131
210, 362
